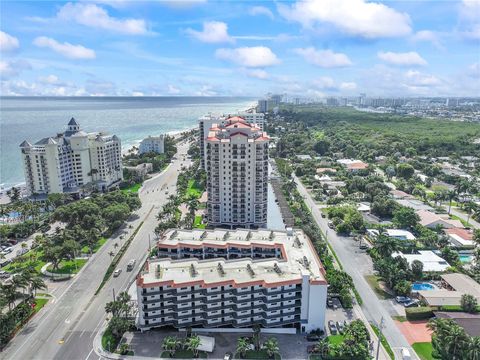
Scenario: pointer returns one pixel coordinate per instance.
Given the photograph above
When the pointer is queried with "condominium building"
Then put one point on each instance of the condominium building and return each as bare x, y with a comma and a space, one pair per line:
155, 144
237, 174
206, 122
70, 160
220, 278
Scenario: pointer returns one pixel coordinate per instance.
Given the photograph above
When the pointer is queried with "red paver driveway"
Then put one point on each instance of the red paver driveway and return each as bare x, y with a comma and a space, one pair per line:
415, 331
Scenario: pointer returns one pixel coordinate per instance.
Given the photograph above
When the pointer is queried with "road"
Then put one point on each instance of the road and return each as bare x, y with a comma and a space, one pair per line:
474, 224
357, 264
66, 327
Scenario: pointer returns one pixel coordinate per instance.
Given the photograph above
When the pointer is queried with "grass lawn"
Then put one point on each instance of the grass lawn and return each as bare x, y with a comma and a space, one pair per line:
184, 354
424, 350
197, 224
39, 303
335, 339
132, 189
32, 258
373, 282
96, 247
384, 342
109, 342
455, 217
68, 266
193, 189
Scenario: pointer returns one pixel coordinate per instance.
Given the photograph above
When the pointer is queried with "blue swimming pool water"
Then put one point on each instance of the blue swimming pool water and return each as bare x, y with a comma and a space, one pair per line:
465, 258
422, 286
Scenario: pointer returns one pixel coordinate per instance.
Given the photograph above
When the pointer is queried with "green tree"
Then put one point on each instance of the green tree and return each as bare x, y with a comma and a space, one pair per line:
242, 346
170, 344
403, 287
192, 344
417, 269
405, 171
271, 347
405, 218
386, 245
449, 340
468, 303
473, 350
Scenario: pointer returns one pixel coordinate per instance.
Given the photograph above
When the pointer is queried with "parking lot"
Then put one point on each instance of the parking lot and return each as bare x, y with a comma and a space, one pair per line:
149, 344
337, 314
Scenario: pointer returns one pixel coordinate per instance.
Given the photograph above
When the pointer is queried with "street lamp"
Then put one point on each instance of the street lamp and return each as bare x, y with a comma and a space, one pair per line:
380, 327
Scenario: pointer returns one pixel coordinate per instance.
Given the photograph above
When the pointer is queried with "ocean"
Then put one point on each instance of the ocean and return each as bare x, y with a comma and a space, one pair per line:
130, 118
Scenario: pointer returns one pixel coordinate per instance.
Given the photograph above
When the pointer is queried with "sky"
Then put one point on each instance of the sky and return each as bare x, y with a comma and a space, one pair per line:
311, 48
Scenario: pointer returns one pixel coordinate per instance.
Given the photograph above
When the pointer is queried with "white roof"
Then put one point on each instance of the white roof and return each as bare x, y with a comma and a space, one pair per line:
396, 233
207, 343
430, 260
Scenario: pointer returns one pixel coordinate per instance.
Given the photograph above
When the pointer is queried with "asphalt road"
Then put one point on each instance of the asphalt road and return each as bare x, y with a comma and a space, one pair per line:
357, 263
66, 327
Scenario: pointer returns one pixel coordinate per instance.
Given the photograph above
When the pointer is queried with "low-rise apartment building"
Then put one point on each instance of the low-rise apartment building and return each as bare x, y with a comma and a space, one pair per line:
155, 144
233, 279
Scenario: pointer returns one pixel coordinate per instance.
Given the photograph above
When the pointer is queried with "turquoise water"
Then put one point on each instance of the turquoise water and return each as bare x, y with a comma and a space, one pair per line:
466, 258
131, 118
422, 286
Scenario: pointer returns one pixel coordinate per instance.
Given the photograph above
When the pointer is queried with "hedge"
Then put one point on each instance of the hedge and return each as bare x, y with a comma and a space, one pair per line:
419, 313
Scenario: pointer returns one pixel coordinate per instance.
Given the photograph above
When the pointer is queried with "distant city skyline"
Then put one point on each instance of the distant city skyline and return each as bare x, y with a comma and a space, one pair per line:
218, 48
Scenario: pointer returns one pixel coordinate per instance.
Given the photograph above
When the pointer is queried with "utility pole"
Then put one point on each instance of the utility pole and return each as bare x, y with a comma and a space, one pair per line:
380, 327
113, 290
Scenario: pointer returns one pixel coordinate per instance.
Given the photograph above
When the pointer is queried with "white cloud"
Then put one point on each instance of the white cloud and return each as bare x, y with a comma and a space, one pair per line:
473, 33
95, 16
328, 84
8, 42
418, 79
66, 49
348, 86
324, 58
261, 10
257, 74
213, 32
137, 93
428, 36
173, 90
402, 59
49, 79
206, 90
255, 56
354, 17
12, 68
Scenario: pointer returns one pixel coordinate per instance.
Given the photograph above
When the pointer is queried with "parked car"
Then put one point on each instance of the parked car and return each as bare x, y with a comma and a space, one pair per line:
329, 302
117, 272
330, 224
228, 356
332, 327
411, 303
406, 354
340, 327
4, 274
7, 250
131, 264
402, 299
13, 241
311, 349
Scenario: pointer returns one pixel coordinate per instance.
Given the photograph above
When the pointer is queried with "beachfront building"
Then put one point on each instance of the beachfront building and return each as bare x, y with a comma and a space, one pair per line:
204, 125
69, 161
155, 144
237, 174
253, 117
219, 279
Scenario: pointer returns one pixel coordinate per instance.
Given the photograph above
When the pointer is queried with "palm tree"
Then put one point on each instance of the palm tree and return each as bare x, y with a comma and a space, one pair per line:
242, 346
469, 208
170, 344
256, 336
323, 347
192, 344
37, 283
19, 281
473, 350
450, 195
386, 245
271, 347
9, 292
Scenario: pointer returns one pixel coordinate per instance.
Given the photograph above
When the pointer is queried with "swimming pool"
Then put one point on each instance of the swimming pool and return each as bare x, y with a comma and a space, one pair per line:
465, 258
422, 286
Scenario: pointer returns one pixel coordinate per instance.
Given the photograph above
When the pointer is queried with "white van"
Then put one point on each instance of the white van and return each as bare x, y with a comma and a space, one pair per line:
406, 354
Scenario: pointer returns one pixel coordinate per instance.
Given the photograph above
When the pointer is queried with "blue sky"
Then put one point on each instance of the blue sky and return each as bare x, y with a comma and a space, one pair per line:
308, 48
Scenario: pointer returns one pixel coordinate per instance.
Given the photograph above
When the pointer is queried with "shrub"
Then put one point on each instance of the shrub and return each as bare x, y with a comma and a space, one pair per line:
419, 313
